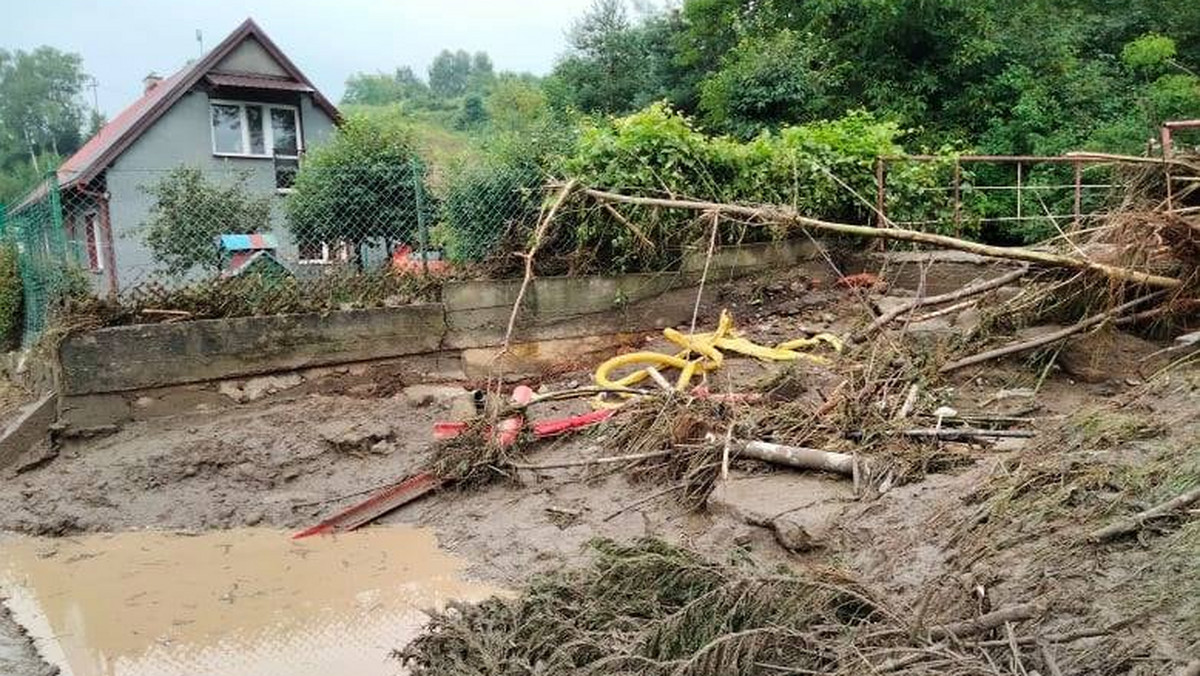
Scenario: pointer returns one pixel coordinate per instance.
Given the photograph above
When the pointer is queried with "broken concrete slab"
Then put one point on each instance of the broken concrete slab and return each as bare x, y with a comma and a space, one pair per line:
1105, 355
254, 389
429, 394
31, 426
357, 438
800, 508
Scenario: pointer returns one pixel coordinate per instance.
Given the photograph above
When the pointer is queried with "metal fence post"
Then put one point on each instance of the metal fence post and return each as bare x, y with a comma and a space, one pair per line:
1020, 171
422, 228
957, 197
1078, 211
880, 194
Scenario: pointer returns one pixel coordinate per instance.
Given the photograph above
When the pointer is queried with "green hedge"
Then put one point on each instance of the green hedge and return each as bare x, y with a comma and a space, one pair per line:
11, 297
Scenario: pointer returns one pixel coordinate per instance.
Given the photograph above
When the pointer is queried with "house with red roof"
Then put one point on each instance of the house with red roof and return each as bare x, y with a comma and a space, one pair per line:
244, 112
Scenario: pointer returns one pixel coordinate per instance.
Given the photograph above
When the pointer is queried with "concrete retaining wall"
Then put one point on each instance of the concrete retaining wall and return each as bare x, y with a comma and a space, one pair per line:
122, 373
472, 316
154, 355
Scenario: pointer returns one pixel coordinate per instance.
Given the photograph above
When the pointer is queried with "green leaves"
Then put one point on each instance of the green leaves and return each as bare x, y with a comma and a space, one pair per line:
360, 186
10, 296
1149, 53
190, 210
817, 167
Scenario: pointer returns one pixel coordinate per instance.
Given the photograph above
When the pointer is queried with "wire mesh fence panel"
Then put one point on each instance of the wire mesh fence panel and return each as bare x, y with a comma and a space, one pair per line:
248, 238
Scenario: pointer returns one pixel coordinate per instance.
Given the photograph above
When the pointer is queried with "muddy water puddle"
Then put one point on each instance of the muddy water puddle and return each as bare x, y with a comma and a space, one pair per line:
238, 602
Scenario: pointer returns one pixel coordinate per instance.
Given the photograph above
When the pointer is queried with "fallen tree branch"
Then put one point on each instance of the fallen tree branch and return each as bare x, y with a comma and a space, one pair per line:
637, 232
956, 433
1135, 522
965, 292
593, 461
797, 456
787, 216
949, 309
985, 622
538, 234
1054, 336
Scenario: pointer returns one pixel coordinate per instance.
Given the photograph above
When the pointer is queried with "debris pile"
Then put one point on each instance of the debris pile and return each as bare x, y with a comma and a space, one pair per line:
650, 608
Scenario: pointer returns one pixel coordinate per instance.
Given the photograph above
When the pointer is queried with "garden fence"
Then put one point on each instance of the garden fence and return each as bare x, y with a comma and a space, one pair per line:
167, 245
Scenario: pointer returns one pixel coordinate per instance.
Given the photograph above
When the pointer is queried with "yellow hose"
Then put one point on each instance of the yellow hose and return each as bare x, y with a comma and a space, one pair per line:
708, 346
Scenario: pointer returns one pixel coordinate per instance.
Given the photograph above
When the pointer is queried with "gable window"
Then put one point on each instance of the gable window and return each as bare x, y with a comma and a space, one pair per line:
256, 130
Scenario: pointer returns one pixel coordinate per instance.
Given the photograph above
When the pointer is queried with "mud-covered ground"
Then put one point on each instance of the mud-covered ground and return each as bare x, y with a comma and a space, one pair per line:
1009, 526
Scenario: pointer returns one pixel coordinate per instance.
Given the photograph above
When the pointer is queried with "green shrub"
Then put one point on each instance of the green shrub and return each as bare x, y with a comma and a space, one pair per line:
483, 203
190, 210
11, 296
823, 169
360, 187
499, 191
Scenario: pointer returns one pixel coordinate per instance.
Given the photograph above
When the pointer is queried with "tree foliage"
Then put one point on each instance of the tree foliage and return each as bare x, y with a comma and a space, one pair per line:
191, 209
659, 151
360, 187
42, 116
11, 296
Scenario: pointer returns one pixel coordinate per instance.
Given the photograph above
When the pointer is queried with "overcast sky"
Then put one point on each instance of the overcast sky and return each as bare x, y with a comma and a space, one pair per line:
122, 40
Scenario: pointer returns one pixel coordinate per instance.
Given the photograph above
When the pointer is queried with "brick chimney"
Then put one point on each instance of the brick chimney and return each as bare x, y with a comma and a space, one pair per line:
151, 81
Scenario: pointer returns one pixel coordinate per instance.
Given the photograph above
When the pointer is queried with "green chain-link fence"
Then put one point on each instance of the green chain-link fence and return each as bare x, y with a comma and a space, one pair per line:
33, 226
230, 240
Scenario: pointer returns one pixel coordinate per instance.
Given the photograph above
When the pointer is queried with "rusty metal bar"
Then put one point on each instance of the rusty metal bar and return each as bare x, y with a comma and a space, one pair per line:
1011, 159
957, 197
1078, 209
1020, 168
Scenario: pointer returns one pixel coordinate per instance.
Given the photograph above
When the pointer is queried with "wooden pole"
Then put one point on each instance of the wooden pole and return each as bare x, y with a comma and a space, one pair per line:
788, 216
1046, 339
797, 456
964, 292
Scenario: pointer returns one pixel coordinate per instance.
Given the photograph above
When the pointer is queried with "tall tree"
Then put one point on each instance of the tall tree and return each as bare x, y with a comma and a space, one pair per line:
609, 67
450, 73
41, 109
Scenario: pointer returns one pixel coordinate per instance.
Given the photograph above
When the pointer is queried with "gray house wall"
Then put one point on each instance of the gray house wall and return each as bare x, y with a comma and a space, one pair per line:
182, 136
251, 57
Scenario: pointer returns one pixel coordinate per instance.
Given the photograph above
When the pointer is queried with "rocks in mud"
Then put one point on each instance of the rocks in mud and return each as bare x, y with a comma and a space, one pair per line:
361, 438
1103, 355
792, 536
254, 389
425, 395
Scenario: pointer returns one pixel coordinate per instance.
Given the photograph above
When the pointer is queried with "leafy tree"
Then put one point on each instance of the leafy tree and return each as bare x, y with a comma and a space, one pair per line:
382, 89
515, 102
450, 73
40, 107
473, 114
768, 81
190, 211
610, 63
360, 187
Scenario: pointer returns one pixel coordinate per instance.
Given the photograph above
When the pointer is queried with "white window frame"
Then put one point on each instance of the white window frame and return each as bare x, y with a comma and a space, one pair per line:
268, 132
323, 260
338, 253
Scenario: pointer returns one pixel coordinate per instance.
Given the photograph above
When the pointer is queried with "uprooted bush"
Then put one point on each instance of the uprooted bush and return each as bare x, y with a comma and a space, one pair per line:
651, 608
